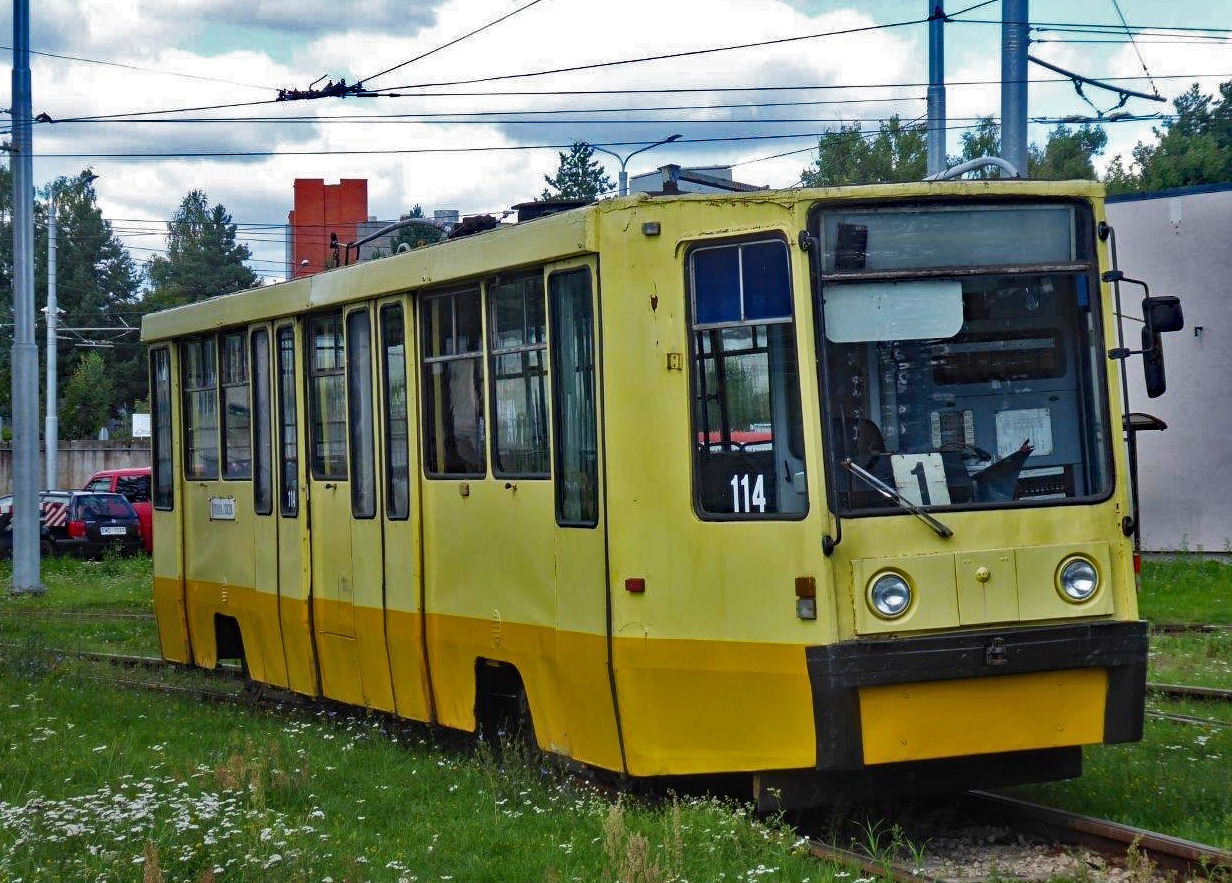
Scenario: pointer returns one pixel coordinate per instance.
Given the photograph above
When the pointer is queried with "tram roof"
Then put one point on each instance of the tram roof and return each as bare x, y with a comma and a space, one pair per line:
552, 238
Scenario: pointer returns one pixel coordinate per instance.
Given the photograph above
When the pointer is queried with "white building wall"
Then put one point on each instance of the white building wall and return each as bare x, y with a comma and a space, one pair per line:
1178, 242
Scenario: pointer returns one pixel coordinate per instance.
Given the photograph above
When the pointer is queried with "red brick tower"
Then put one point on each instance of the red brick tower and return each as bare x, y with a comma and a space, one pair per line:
322, 209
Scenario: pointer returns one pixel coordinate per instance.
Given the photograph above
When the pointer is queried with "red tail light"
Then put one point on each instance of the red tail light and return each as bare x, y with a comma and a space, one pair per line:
1137, 562
76, 529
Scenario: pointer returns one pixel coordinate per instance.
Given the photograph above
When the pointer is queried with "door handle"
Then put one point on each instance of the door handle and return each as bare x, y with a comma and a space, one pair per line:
329, 486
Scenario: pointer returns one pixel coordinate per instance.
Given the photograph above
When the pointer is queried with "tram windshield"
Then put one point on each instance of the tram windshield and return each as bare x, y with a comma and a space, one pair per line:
962, 357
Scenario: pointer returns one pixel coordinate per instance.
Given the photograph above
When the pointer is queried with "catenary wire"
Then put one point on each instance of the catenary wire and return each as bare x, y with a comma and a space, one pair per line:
395, 151
453, 42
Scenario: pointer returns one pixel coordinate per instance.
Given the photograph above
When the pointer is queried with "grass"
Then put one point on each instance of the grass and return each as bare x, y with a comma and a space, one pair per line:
1195, 660
102, 782
1190, 590
110, 784
99, 782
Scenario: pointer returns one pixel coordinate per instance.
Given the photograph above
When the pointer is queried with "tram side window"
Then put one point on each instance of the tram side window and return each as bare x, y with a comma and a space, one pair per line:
397, 427
573, 399
160, 384
288, 440
199, 379
516, 326
747, 426
359, 403
236, 408
454, 435
263, 485
327, 391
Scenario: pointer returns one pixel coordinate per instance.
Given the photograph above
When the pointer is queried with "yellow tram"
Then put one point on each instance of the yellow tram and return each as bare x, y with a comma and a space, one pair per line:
828, 487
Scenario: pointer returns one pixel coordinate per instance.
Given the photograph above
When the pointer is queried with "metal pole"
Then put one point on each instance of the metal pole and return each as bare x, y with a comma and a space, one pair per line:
26, 577
623, 177
936, 88
51, 423
1014, 20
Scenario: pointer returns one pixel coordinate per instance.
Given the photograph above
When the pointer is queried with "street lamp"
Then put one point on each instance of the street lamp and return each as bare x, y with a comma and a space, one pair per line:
51, 424
624, 176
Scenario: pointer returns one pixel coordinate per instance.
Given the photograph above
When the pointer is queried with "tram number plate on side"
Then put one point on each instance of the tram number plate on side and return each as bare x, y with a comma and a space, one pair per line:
222, 508
921, 478
113, 531
748, 492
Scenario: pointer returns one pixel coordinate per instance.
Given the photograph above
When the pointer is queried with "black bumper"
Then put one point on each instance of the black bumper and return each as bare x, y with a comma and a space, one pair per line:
838, 671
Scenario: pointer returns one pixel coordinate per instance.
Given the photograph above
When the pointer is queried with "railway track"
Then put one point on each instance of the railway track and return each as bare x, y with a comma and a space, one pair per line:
1120, 844
1191, 860
1189, 628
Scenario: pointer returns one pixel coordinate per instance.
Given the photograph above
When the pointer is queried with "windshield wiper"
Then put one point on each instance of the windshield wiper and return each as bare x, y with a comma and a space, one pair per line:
892, 494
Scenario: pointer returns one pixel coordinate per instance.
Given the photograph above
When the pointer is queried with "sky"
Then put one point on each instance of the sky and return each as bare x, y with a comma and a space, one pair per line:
475, 126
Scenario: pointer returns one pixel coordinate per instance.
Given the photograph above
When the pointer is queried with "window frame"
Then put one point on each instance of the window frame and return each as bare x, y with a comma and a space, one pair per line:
311, 375
242, 384
393, 443
360, 395
527, 371
261, 423
1086, 264
190, 447
288, 496
162, 460
696, 356
556, 380
426, 362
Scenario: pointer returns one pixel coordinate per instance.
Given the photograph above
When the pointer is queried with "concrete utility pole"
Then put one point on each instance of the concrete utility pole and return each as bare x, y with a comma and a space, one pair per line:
936, 88
26, 577
624, 176
1014, 20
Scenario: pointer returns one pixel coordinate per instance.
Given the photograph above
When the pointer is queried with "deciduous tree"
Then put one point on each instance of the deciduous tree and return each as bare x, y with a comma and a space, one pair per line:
897, 152
1193, 148
87, 401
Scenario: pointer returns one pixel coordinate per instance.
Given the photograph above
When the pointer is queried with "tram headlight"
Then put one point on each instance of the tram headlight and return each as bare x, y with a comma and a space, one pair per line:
889, 595
1077, 580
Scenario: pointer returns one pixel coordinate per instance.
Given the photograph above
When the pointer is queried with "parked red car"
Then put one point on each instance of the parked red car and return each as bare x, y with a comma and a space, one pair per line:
135, 485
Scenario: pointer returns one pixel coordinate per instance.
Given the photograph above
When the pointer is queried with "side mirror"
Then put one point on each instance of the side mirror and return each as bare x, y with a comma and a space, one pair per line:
1162, 314
1153, 362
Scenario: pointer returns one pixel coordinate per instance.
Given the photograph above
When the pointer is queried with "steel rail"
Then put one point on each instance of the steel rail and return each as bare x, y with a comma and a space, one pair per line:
878, 870
1184, 691
1188, 628
1192, 860
1188, 719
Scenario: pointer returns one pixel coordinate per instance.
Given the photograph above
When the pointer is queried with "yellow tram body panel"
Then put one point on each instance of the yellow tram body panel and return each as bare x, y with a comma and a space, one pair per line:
656, 640
983, 716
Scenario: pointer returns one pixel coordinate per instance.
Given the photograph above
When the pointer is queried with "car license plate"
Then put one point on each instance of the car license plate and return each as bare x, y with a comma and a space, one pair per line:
113, 531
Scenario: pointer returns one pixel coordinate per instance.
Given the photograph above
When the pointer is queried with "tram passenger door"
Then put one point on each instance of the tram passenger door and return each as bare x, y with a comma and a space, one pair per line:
346, 541
294, 585
580, 547
400, 511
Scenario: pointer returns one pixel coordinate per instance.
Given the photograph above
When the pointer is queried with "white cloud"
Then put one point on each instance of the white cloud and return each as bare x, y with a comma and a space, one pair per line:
296, 43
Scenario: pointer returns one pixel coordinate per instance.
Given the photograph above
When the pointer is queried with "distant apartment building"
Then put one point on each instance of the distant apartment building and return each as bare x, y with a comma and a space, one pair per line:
689, 179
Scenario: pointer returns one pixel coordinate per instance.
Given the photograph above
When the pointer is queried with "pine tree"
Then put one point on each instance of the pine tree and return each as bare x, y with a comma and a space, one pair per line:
579, 175
203, 257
